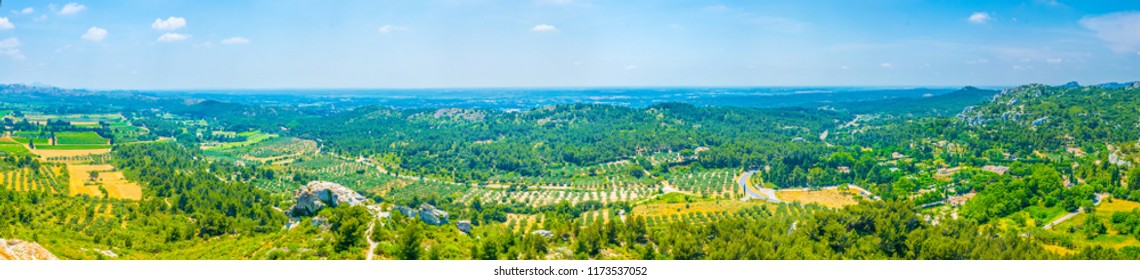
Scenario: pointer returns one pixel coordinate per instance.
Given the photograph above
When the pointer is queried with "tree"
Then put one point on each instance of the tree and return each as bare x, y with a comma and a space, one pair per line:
1093, 227
1134, 179
410, 239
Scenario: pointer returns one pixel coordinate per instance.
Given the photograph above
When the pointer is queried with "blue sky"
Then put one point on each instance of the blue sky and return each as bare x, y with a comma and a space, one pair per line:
565, 43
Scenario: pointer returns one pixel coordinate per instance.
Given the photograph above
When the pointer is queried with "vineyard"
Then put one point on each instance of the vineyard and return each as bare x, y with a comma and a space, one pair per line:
717, 183
607, 175
708, 211
79, 138
550, 197
50, 178
354, 175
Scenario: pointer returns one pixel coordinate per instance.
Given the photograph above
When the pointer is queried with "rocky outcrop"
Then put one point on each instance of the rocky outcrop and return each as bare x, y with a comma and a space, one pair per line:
316, 195
543, 233
464, 226
432, 216
427, 213
14, 249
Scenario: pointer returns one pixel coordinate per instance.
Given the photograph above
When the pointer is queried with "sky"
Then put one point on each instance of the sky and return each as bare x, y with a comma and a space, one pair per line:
283, 44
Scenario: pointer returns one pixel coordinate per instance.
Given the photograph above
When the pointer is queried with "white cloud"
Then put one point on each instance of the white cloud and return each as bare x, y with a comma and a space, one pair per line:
5, 24
94, 34
72, 8
11, 48
10, 43
171, 23
716, 8
1120, 30
391, 28
886, 65
557, 2
777, 24
979, 17
1050, 3
543, 28
173, 37
235, 41
28, 10
630, 67
1053, 60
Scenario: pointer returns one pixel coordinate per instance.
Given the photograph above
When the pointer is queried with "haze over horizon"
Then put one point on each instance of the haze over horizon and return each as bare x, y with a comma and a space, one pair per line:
181, 45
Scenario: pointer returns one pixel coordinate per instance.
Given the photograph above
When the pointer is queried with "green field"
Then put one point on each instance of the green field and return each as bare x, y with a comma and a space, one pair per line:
75, 147
25, 140
79, 138
252, 137
75, 117
10, 148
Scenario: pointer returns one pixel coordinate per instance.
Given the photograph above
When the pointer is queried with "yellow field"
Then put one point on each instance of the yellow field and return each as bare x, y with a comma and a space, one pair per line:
1057, 249
519, 218
1115, 206
113, 181
829, 198
69, 153
26, 179
1104, 212
666, 209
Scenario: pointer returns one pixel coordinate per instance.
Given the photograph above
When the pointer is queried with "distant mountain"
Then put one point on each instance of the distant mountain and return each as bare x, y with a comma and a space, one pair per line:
1115, 85
1070, 85
947, 104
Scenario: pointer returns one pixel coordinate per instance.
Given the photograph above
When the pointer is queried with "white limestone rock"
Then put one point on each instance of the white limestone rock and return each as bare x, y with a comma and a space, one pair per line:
316, 195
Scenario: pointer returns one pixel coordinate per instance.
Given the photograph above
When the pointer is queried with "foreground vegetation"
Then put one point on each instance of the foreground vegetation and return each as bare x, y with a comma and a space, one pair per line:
1033, 172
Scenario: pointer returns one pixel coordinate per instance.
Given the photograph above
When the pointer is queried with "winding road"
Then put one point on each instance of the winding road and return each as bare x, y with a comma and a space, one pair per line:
765, 194
1096, 201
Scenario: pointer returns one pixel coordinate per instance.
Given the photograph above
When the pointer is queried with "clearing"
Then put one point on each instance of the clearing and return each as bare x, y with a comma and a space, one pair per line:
832, 197
110, 180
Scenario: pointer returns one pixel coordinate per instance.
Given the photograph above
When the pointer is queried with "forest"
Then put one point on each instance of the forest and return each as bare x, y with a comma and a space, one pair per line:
967, 174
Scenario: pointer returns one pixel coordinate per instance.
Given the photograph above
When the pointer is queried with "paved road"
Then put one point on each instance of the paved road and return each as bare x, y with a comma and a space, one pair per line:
1066, 217
765, 194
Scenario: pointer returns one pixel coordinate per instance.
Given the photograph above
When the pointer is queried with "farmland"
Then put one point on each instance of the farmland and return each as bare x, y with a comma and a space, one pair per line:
107, 182
832, 198
251, 137
50, 178
13, 149
79, 139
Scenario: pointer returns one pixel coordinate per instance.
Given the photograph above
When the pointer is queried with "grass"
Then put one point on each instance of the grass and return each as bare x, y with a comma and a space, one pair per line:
75, 147
253, 137
112, 181
1104, 213
79, 138
48, 153
15, 149
26, 140
681, 208
831, 198
83, 118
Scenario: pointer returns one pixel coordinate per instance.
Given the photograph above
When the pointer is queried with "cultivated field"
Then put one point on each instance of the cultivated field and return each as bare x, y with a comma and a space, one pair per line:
47, 153
110, 180
832, 198
46, 178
